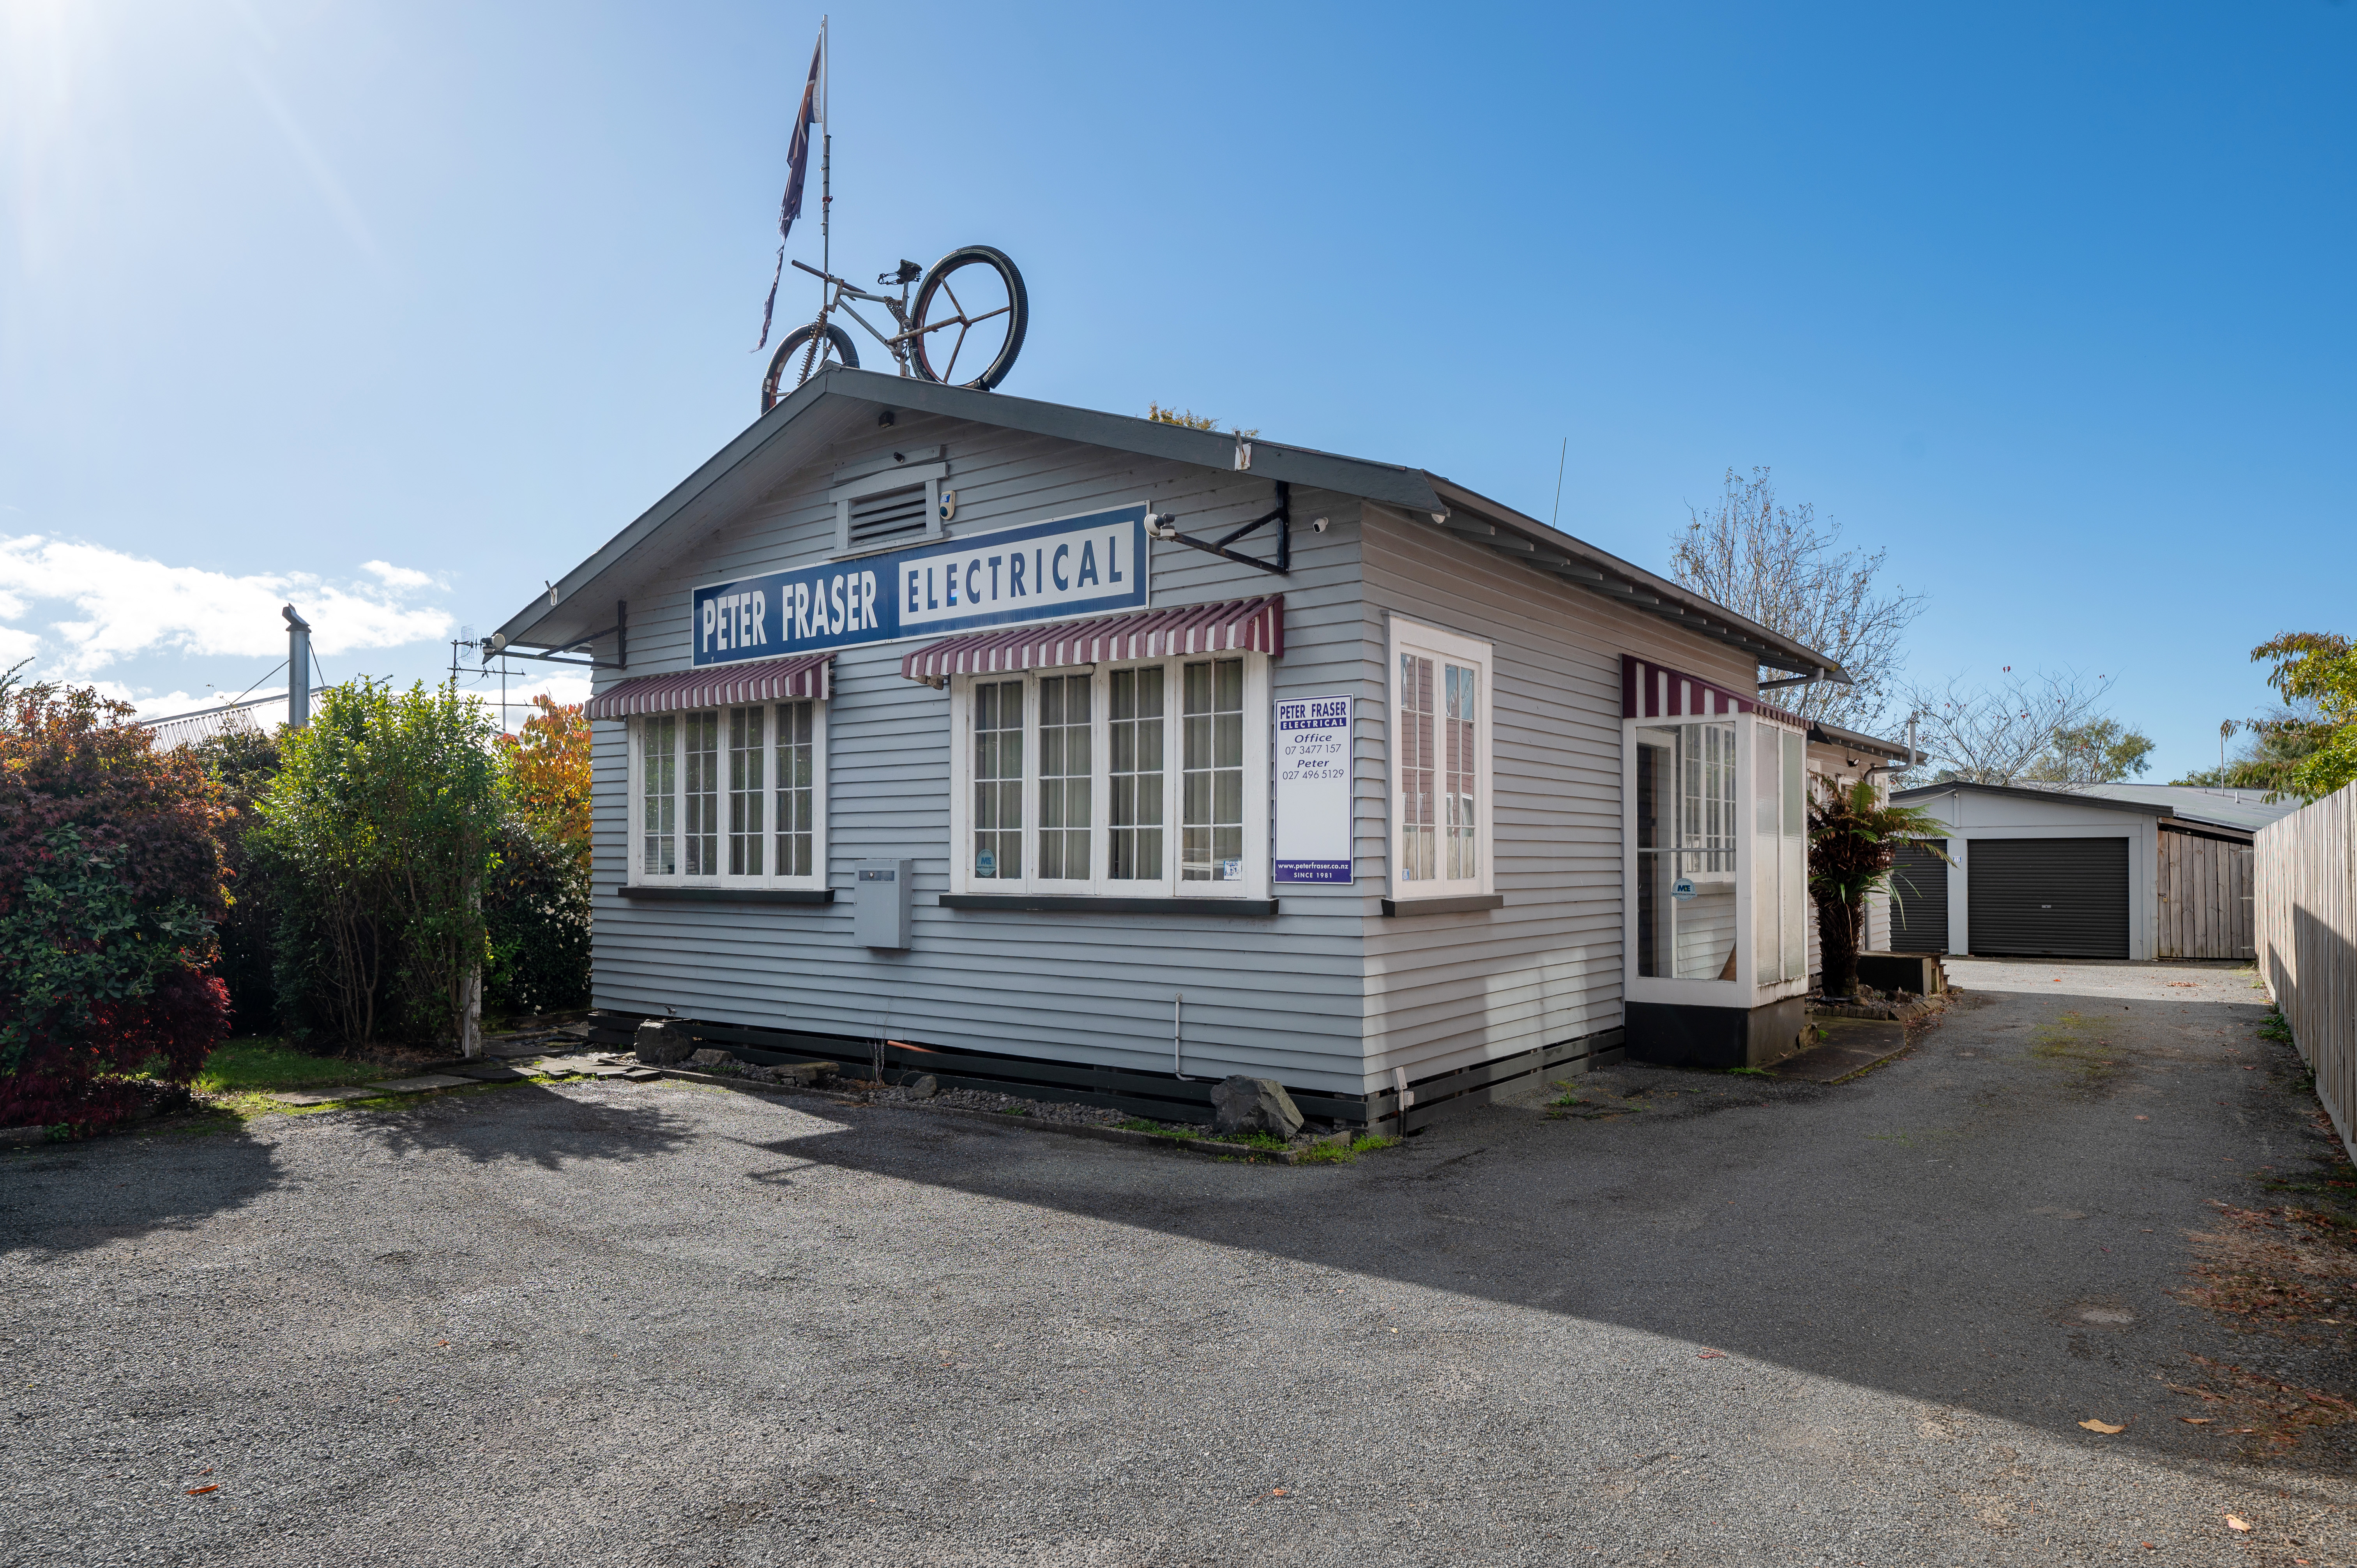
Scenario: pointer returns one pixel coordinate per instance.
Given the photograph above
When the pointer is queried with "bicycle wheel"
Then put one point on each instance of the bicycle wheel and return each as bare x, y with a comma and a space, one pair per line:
969, 317
792, 349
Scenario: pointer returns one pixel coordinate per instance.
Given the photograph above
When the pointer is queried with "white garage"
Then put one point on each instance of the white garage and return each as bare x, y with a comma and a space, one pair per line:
2136, 872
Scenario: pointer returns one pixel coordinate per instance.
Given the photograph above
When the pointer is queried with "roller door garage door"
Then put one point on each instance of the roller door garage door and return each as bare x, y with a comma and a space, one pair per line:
2049, 897
1919, 899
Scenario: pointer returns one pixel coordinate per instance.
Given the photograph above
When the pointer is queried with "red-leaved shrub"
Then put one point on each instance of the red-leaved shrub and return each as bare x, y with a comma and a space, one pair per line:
110, 884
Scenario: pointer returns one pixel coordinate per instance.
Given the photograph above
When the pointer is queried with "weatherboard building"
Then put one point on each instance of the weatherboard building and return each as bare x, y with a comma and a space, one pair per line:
1103, 757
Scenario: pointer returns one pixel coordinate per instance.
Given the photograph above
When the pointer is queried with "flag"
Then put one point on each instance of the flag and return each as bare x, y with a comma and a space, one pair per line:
797, 165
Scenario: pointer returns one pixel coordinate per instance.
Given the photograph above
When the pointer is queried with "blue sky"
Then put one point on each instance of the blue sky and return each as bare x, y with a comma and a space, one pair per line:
399, 309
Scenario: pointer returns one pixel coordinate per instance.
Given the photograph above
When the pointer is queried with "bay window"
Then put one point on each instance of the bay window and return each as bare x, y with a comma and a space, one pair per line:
1143, 780
1442, 841
729, 796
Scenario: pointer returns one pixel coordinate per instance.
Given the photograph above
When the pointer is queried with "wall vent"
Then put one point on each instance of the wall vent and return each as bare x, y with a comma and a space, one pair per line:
888, 514
896, 503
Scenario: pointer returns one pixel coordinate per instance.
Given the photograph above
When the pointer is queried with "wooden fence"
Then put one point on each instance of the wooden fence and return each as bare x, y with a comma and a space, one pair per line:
2305, 924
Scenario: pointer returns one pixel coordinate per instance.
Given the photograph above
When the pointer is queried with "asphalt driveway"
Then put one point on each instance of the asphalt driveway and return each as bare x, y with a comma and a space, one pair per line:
1694, 1318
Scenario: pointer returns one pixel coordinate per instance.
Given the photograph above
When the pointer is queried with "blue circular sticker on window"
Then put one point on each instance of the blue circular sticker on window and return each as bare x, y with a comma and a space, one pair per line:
1682, 888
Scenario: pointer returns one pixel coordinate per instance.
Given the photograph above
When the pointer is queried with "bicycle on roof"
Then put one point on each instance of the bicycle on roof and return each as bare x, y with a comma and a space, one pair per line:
970, 309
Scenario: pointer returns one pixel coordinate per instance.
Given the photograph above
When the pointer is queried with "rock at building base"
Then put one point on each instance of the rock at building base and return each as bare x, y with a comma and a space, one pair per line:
923, 1087
1240, 1105
660, 1043
710, 1056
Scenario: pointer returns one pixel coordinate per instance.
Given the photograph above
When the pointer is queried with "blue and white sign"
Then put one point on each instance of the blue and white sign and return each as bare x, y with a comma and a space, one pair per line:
1040, 571
1683, 888
1313, 789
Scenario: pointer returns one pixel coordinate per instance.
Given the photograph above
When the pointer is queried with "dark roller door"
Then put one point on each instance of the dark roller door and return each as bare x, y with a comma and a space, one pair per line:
2049, 897
1919, 899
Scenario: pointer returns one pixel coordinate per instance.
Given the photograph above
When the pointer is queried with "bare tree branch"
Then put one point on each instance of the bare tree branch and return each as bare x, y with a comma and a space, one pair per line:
1777, 565
2047, 727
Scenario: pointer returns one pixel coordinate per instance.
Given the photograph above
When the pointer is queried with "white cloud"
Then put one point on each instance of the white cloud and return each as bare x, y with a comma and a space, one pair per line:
129, 606
393, 576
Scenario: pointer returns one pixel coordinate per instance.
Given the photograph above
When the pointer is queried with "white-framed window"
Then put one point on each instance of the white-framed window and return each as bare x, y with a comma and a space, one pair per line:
1717, 844
1442, 835
1143, 780
729, 796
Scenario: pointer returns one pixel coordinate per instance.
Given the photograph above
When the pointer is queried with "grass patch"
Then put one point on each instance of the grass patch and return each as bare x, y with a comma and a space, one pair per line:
1753, 1071
1015, 1110
1343, 1154
246, 1067
2276, 1027
2070, 1044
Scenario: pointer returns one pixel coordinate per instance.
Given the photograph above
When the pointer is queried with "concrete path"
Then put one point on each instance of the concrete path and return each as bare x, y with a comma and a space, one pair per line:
1697, 1320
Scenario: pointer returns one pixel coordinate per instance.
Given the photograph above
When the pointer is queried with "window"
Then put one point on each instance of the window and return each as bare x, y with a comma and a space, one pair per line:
1070, 780
731, 796
1685, 851
1717, 848
1442, 839
1212, 827
1135, 771
999, 781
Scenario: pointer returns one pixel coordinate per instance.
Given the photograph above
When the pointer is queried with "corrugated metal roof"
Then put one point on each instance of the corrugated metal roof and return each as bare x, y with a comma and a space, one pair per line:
2246, 809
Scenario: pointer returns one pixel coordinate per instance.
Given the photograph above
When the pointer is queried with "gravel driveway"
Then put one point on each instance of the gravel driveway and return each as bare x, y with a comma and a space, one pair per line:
1698, 1318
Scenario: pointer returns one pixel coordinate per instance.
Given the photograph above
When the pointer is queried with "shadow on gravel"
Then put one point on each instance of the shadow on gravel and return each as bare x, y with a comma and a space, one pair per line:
127, 1185
2001, 1221
535, 1125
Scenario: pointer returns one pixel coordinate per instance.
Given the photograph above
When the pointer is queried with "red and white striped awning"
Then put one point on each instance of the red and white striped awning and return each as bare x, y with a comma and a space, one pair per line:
761, 681
1249, 625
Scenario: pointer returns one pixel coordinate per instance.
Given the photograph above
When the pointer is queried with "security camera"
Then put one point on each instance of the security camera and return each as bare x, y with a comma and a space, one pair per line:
1318, 525
1161, 525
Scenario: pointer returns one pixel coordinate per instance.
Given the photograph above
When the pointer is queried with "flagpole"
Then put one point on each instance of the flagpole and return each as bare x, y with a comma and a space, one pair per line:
825, 160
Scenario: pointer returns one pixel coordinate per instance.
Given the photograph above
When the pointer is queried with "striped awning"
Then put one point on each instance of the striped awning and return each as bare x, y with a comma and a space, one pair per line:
761, 681
1651, 692
1248, 625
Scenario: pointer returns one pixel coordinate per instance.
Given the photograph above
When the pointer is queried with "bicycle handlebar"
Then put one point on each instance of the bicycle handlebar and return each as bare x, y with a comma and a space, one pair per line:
816, 273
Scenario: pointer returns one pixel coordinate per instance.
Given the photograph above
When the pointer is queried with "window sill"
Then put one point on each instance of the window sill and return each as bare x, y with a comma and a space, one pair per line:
1085, 904
1466, 904
729, 895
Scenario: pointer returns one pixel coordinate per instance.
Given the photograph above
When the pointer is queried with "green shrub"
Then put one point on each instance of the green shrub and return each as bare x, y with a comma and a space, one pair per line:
536, 908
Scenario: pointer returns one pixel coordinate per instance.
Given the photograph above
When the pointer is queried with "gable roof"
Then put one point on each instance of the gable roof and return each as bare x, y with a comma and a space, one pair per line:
837, 400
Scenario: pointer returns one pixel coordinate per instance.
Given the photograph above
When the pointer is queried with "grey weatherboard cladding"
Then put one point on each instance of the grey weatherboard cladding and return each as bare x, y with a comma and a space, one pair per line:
1326, 994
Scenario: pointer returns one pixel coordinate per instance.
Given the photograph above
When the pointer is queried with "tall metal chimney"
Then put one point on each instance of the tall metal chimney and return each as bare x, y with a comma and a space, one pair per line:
299, 668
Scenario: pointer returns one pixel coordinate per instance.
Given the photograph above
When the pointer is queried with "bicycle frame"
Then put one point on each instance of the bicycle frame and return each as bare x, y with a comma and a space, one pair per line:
846, 291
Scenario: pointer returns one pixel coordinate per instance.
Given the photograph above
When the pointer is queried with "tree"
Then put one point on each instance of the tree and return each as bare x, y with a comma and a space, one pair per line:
1778, 565
2045, 727
2100, 751
242, 762
1191, 420
548, 773
1854, 834
2275, 745
381, 829
110, 883
2318, 670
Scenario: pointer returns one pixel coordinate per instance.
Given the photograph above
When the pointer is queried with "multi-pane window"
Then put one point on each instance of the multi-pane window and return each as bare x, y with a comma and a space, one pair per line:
1065, 775
1118, 781
797, 788
748, 751
659, 796
1418, 785
1211, 824
731, 795
1135, 774
998, 780
1440, 747
700, 792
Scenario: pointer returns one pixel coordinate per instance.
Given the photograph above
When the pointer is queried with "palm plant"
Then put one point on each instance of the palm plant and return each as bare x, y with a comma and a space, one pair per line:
1854, 840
